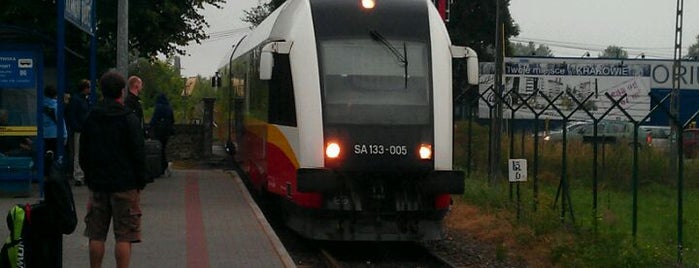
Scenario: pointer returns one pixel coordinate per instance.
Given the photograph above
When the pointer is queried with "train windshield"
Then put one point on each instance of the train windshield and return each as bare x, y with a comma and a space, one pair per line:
367, 81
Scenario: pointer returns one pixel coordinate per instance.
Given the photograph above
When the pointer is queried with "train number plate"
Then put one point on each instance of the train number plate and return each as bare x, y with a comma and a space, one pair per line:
380, 149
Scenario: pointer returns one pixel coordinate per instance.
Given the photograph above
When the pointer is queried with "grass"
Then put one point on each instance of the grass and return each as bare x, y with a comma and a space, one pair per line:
580, 235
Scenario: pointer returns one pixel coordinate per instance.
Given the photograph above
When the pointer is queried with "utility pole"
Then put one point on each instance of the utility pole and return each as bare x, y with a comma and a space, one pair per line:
496, 117
676, 129
60, 68
123, 38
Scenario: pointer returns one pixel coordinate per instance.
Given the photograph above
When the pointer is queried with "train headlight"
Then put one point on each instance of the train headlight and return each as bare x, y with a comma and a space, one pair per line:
332, 150
368, 4
425, 151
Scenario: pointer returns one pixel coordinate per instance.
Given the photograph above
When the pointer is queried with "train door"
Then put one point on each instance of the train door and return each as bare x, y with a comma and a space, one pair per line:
252, 145
237, 77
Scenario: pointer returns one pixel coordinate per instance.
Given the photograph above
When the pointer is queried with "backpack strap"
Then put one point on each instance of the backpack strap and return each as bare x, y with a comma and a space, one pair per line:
51, 113
28, 212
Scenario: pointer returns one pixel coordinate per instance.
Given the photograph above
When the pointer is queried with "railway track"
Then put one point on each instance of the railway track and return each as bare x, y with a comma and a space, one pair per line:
375, 254
311, 253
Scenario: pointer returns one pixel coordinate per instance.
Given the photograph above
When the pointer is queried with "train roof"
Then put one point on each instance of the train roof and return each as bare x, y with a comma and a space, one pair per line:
277, 26
273, 28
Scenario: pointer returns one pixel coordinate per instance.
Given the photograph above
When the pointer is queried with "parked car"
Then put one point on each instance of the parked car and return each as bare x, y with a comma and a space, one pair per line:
608, 131
690, 142
657, 136
557, 134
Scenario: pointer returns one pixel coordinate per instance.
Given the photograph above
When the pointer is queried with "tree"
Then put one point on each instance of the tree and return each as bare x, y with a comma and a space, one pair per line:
158, 77
257, 14
614, 52
155, 27
519, 49
472, 23
693, 51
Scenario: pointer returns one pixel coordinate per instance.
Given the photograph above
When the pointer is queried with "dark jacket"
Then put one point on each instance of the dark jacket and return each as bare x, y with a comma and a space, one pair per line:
112, 151
133, 103
163, 119
78, 109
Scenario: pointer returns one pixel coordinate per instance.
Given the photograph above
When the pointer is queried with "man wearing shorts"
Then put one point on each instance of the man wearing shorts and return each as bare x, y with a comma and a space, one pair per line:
113, 159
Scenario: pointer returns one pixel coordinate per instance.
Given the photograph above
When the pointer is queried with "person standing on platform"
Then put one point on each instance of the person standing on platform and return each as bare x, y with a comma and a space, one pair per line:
113, 158
162, 125
50, 121
78, 108
133, 100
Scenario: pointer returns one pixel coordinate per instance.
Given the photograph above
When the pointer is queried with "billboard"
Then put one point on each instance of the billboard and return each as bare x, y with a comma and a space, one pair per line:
79, 13
581, 89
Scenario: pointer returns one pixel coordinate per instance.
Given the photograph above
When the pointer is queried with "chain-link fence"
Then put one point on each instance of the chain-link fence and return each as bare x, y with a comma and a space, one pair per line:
591, 157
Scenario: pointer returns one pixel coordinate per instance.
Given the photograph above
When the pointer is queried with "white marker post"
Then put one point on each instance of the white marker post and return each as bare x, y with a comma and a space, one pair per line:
518, 173
518, 170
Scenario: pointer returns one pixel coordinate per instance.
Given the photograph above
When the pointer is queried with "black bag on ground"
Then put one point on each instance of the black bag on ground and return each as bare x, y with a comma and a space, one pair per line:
59, 198
153, 161
36, 230
43, 244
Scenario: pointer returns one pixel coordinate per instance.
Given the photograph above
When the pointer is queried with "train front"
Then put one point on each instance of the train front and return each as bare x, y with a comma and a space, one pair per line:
385, 80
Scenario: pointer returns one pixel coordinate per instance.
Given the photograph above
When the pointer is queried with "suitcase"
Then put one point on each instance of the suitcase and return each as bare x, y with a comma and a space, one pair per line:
153, 161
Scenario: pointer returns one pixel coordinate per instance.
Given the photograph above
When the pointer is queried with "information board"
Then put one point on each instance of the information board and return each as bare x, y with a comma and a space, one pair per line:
17, 69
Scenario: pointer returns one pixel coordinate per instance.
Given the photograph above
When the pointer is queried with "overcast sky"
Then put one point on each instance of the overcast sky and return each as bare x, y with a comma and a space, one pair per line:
225, 29
573, 27
568, 27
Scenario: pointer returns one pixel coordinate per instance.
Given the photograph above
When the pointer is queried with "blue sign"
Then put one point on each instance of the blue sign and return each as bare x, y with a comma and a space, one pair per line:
17, 69
79, 13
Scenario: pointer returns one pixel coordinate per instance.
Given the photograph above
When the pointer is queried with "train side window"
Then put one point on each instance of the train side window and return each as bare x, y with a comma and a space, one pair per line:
258, 90
282, 108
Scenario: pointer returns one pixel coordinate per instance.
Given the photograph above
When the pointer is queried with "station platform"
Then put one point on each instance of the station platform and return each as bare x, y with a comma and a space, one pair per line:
196, 218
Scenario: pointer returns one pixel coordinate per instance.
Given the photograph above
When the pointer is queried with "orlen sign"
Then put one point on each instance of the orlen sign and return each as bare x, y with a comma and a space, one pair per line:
661, 74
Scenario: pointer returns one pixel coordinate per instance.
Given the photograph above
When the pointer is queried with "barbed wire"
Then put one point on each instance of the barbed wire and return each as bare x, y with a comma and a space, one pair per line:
650, 52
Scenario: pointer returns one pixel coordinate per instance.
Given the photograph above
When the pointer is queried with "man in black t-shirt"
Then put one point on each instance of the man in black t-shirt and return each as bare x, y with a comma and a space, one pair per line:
133, 101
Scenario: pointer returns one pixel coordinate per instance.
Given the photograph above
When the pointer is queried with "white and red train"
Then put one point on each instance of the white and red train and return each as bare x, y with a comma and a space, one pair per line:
345, 116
